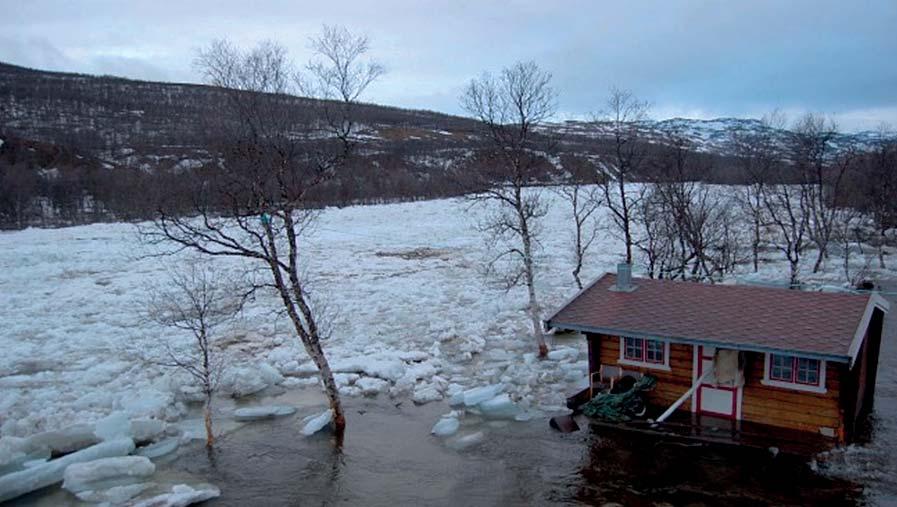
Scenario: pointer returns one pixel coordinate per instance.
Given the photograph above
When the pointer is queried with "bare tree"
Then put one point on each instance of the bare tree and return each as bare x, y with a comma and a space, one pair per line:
197, 300
788, 208
821, 167
849, 229
584, 201
759, 156
690, 230
657, 241
878, 187
510, 107
625, 116
256, 205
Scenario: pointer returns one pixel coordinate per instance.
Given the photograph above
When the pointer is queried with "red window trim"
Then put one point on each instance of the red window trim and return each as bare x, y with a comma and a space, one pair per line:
794, 364
644, 356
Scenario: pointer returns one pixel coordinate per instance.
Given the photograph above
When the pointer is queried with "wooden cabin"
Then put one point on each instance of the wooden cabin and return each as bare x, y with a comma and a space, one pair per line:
783, 358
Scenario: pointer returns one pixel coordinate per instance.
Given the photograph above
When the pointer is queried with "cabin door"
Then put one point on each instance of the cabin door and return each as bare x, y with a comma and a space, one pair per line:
712, 399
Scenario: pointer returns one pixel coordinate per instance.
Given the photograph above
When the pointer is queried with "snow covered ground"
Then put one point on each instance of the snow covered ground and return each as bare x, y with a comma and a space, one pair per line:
412, 316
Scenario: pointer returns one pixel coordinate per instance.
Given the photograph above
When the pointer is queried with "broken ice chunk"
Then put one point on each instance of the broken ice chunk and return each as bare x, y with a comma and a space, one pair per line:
371, 386
446, 426
41, 476
478, 395
314, 424
465, 441
160, 448
263, 412
181, 496
561, 354
499, 407
113, 426
93, 475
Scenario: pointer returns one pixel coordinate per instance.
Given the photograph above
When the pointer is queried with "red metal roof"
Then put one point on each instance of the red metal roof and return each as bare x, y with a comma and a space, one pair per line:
818, 323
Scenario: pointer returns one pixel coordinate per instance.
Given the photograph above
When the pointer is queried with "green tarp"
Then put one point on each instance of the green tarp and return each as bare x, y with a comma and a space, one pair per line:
620, 407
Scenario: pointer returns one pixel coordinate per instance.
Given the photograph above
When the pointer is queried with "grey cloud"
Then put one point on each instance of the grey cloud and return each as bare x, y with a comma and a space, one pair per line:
715, 58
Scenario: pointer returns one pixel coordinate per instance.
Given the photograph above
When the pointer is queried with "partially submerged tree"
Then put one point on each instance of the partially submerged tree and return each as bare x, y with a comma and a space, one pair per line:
255, 207
510, 107
584, 201
625, 116
197, 300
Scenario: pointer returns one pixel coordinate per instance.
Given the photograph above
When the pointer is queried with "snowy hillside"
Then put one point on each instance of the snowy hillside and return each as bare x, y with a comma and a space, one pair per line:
708, 136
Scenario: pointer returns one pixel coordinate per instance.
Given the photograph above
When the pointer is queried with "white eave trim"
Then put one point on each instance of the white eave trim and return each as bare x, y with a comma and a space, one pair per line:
875, 301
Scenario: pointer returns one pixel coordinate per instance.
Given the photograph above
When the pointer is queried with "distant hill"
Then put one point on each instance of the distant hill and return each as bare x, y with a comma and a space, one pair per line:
136, 128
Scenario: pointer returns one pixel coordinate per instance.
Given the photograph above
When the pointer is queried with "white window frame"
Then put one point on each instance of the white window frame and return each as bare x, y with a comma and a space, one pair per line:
664, 366
794, 386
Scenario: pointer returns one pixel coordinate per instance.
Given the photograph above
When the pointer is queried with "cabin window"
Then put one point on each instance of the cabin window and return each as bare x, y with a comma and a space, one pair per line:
644, 352
794, 372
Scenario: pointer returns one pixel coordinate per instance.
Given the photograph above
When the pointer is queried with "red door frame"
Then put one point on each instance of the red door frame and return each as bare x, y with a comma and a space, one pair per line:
734, 390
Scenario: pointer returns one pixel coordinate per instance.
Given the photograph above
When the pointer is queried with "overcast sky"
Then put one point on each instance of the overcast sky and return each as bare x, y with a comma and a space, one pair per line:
697, 59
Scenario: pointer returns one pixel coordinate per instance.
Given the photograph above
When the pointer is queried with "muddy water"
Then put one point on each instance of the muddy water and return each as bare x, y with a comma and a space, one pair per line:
389, 458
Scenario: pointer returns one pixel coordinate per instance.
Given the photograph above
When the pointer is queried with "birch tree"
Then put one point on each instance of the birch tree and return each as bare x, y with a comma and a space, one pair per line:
759, 156
255, 207
197, 300
821, 167
879, 187
584, 200
625, 116
510, 107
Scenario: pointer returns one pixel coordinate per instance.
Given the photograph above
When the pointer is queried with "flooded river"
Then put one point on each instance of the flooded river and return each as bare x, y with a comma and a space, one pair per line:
389, 458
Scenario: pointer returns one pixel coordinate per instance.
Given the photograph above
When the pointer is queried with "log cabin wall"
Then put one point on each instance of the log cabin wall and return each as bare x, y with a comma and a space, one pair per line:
788, 408
671, 385
775, 406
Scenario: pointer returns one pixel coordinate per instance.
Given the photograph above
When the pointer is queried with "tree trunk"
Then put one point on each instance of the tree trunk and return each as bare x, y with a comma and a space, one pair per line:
847, 261
330, 387
207, 415
309, 337
821, 255
579, 254
756, 246
531, 285
881, 250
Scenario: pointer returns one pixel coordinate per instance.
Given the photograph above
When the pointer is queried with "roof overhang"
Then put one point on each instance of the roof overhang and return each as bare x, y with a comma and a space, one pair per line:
700, 341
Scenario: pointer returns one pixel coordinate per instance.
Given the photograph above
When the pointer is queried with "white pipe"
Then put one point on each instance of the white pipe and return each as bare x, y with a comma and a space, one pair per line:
684, 397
